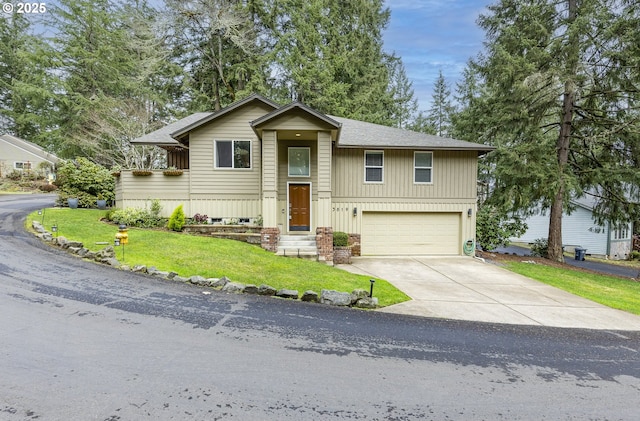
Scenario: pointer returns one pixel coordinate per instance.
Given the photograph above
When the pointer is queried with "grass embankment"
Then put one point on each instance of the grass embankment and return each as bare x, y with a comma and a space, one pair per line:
611, 291
210, 257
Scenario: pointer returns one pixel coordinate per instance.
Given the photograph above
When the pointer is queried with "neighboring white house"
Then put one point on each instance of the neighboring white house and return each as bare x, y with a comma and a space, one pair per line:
580, 230
20, 155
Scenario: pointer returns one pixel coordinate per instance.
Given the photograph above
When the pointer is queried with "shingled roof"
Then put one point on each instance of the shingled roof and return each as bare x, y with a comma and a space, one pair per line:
350, 133
360, 134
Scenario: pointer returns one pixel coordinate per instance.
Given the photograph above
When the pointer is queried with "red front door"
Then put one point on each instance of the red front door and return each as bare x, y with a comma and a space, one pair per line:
299, 207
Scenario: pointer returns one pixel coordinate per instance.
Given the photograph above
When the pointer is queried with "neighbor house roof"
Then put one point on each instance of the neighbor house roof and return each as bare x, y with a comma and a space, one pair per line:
29, 148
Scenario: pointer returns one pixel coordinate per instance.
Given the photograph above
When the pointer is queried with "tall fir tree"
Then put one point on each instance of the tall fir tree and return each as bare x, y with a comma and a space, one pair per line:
439, 114
27, 88
563, 100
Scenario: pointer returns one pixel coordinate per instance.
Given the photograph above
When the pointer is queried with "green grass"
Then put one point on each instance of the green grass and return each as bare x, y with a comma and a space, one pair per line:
611, 291
210, 257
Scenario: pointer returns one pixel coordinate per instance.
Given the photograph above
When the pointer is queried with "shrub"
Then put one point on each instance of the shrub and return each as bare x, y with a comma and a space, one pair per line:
48, 187
14, 175
84, 180
635, 255
340, 239
176, 220
138, 217
200, 219
540, 248
494, 228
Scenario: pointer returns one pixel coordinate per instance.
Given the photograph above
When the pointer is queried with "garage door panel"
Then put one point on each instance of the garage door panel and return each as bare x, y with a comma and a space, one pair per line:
408, 233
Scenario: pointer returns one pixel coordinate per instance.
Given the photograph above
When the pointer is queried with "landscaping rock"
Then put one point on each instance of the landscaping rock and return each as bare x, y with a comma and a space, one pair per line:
266, 290
198, 280
310, 296
172, 275
139, 269
178, 278
74, 244
218, 282
47, 237
90, 255
37, 226
287, 293
125, 267
367, 302
111, 261
358, 294
60, 241
335, 298
233, 287
74, 250
83, 252
251, 289
106, 253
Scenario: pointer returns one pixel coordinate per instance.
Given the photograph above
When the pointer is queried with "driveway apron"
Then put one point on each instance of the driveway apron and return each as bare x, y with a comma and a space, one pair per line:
465, 288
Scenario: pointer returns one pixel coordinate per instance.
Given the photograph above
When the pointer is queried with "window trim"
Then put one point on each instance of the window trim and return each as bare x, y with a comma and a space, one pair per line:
215, 154
289, 150
373, 166
28, 164
415, 167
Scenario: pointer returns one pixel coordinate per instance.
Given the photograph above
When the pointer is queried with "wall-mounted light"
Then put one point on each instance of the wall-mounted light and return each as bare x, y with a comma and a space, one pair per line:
298, 134
469, 212
355, 211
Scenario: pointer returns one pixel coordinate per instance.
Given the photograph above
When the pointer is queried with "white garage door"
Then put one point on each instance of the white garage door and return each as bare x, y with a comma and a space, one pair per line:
409, 233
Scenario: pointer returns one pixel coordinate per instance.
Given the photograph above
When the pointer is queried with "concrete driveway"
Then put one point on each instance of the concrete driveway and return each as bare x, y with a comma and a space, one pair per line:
465, 288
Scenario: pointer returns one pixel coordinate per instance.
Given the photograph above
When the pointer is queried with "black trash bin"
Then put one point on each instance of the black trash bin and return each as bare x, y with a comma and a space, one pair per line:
580, 253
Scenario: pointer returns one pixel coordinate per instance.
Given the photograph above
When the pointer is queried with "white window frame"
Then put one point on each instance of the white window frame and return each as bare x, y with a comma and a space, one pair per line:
233, 161
294, 148
28, 164
373, 166
415, 167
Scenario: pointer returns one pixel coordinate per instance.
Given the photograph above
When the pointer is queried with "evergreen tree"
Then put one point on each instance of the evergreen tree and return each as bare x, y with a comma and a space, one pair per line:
26, 86
328, 54
114, 70
406, 106
561, 82
441, 108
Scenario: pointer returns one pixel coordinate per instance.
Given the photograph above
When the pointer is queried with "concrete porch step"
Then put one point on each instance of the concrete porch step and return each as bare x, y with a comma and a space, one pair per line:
303, 246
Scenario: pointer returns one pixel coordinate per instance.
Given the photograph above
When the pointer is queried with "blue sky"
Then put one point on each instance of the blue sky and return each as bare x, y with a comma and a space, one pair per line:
434, 35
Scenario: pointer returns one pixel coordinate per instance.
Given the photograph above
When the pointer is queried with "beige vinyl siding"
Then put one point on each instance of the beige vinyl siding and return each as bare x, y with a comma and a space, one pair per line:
454, 175
233, 183
136, 191
283, 170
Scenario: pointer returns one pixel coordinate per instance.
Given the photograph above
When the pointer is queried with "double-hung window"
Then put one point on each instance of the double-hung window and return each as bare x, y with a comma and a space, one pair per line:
233, 154
373, 166
423, 167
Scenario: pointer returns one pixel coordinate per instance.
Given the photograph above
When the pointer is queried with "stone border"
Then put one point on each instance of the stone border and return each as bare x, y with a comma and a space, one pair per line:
358, 298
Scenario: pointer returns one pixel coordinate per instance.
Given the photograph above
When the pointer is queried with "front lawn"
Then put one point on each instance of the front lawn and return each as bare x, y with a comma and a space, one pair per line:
611, 291
210, 257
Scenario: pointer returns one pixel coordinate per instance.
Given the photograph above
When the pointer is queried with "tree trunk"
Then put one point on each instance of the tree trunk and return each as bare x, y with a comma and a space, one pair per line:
564, 141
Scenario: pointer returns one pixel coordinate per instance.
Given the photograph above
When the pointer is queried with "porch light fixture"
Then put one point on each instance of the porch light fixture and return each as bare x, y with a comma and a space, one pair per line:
355, 211
298, 134
469, 212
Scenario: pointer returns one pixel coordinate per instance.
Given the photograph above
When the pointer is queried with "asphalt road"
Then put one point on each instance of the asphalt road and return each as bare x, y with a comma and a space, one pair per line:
79, 341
